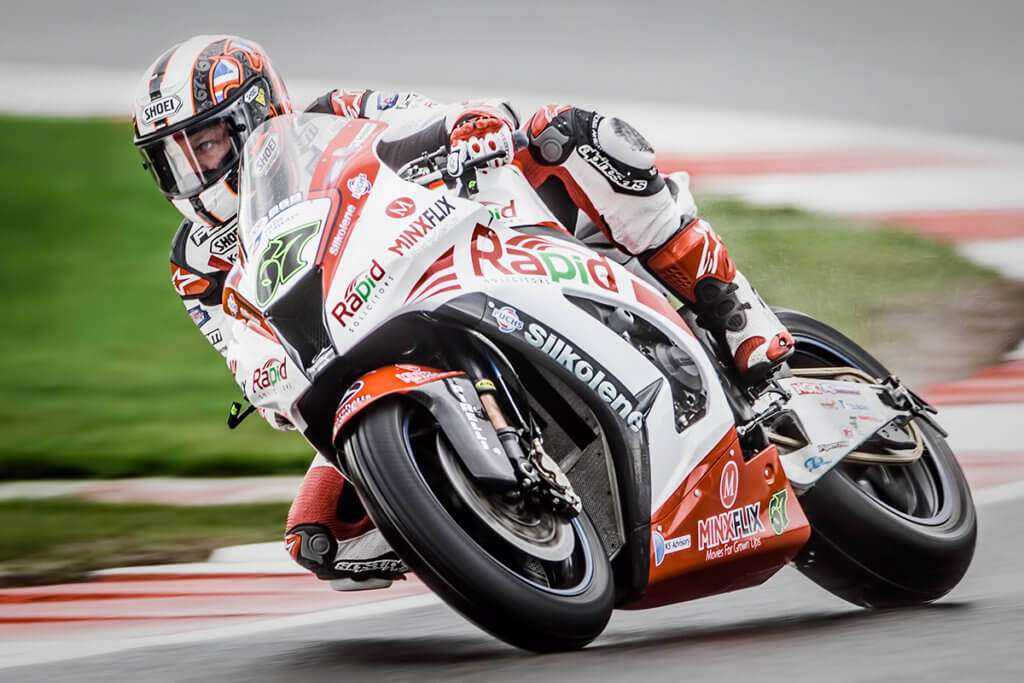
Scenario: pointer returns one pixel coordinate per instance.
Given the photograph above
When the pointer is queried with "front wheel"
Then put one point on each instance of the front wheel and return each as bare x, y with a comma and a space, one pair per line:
519, 572
882, 535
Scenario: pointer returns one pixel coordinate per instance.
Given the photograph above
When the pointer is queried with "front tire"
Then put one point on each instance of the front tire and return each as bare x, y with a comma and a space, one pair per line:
415, 503
882, 535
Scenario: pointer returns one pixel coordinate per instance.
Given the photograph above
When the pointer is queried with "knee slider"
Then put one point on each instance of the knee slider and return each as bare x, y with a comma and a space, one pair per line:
312, 546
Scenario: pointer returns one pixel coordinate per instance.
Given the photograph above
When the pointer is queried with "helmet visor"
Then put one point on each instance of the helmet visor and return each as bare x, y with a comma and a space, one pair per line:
188, 161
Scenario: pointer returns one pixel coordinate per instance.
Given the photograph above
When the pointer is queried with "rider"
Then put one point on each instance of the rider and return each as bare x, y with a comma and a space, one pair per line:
199, 100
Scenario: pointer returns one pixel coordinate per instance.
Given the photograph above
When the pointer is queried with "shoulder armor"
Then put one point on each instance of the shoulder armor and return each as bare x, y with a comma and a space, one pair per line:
201, 257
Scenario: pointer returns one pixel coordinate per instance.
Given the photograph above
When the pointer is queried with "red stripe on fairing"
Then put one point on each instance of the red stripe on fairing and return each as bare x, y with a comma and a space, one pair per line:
431, 289
658, 303
454, 288
960, 226
810, 161
446, 260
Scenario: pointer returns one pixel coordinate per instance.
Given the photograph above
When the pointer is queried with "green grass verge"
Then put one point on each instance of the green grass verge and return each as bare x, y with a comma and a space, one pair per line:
105, 376
60, 539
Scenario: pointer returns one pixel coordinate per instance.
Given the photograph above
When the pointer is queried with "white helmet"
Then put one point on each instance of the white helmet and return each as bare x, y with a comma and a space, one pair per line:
194, 108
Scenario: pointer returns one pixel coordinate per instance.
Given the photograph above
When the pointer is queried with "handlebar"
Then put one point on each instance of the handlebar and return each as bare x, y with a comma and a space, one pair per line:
456, 169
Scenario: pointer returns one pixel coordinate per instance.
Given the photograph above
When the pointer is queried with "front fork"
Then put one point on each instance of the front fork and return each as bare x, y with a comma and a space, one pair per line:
538, 474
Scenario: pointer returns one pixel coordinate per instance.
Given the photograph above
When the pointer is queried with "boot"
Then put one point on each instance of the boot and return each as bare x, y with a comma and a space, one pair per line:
695, 265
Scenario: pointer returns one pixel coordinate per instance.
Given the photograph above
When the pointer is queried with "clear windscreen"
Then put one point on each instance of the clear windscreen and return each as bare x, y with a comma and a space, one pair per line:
279, 162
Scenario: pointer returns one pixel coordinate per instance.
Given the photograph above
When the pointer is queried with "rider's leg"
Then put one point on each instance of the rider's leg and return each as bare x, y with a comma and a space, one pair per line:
607, 169
329, 534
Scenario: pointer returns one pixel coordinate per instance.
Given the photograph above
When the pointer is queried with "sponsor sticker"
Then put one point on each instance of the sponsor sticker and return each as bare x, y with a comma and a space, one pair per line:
199, 316
815, 463
273, 371
403, 207
730, 532
586, 370
421, 226
491, 257
385, 102
507, 319
663, 546
161, 109
778, 517
359, 186
267, 156
364, 289
729, 486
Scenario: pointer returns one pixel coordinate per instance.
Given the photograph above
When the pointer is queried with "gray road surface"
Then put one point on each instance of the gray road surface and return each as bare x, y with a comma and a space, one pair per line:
785, 630
939, 64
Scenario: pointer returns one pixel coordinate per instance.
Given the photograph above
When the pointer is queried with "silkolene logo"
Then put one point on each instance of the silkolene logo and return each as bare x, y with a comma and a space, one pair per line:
490, 256
586, 371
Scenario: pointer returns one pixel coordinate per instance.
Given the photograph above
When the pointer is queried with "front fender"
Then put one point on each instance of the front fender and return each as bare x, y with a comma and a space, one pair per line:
451, 399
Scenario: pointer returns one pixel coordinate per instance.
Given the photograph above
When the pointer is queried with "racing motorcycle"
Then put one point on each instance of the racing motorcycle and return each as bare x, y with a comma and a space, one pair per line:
538, 432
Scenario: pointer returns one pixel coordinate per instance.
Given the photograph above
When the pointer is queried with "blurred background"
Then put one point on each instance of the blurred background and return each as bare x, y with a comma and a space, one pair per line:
863, 160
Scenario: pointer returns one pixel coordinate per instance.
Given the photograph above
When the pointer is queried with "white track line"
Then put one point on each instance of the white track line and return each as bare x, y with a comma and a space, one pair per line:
29, 652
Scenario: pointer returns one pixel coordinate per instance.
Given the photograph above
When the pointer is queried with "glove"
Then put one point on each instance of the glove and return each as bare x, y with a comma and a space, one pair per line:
478, 133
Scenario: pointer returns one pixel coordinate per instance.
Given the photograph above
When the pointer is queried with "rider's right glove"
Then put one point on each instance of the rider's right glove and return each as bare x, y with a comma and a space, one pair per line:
477, 133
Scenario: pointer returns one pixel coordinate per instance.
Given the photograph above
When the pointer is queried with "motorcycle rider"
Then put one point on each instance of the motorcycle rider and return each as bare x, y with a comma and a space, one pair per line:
199, 100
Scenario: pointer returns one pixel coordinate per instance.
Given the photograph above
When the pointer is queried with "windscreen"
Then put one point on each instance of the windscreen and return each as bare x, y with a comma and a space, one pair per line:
279, 163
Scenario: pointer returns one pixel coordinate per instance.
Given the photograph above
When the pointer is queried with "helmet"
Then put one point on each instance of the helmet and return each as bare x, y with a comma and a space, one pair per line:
194, 108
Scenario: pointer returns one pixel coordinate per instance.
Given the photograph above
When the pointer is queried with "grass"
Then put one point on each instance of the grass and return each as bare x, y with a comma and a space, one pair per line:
105, 376
835, 269
60, 539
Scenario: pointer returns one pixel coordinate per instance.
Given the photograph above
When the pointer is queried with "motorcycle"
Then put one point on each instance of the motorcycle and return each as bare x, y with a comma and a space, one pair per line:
536, 430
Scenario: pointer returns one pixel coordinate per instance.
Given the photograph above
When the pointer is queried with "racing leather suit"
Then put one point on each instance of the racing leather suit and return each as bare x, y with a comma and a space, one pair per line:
596, 175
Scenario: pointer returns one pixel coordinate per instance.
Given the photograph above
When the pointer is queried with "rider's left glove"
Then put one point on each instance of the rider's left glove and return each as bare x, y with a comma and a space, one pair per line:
477, 134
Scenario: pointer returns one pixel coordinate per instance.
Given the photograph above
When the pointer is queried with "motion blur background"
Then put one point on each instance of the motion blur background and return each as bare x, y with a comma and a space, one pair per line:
864, 161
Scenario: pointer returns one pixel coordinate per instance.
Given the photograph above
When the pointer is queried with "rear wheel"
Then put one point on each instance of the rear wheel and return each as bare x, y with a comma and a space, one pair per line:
518, 571
882, 535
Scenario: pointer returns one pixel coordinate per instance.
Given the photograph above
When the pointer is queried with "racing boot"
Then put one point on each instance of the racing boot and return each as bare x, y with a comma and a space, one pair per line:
329, 534
695, 265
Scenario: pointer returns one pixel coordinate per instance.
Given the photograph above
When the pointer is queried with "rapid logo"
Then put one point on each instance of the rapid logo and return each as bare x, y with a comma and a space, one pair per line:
281, 260
587, 371
161, 109
500, 211
726, 527
423, 224
272, 372
358, 293
777, 515
488, 253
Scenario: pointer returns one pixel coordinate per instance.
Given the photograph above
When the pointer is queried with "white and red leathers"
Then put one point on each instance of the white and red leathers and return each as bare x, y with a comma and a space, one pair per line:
590, 171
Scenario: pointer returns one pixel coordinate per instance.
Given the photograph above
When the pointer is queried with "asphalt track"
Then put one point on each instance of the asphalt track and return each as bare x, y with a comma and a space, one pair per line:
787, 629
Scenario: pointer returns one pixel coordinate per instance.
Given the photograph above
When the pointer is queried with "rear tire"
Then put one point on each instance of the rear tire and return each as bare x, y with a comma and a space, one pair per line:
874, 543
459, 563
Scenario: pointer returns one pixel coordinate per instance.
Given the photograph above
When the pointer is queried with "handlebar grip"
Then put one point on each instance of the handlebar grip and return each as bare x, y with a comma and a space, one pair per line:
519, 140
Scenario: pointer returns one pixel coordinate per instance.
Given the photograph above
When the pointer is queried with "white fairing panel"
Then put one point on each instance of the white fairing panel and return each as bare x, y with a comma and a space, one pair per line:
837, 417
408, 248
